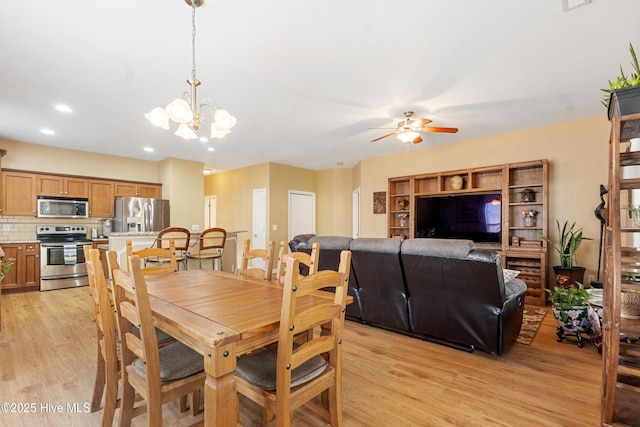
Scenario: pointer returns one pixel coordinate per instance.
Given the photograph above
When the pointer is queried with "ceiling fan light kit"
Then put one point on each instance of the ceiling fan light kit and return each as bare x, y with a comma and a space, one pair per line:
185, 110
409, 129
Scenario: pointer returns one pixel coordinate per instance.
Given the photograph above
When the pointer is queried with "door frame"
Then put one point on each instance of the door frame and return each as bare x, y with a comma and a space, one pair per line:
313, 210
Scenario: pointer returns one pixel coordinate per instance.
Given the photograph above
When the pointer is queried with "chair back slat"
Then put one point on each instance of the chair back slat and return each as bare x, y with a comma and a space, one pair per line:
308, 260
156, 256
213, 238
264, 254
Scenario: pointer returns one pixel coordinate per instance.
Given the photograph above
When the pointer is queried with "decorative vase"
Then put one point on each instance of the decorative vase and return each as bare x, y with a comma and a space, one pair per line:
403, 223
574, 320
529, 221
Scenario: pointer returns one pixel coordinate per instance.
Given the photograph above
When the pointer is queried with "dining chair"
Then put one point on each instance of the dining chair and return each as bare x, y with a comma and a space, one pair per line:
106, 382
182, 239
159, 375
284, 377
163, 260
266, 255
308, 262
211, 245
162, 337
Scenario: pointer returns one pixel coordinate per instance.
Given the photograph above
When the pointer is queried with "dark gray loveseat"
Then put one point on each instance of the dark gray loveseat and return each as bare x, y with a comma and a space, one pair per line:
442, 290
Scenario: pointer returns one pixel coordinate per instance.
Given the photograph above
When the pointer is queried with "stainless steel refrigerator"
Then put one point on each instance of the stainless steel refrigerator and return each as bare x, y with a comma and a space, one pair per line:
138, 214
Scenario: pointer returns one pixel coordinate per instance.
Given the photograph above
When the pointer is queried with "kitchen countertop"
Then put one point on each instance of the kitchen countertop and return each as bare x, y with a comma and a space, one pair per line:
13, 242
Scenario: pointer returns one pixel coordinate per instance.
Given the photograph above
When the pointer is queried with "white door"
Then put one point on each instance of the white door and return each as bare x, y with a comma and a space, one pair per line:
302, 213
259, 236
355, 208
210, 211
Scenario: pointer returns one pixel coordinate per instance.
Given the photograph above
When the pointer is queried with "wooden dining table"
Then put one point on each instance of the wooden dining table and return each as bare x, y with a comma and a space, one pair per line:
221, 316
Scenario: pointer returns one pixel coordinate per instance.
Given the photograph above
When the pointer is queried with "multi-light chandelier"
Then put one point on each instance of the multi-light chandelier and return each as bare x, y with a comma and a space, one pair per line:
186, 111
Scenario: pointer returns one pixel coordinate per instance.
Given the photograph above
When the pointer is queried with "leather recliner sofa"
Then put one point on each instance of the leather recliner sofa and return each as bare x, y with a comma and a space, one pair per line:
436, 289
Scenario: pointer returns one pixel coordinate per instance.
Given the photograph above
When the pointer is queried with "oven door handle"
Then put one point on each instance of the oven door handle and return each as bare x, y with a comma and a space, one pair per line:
64, 276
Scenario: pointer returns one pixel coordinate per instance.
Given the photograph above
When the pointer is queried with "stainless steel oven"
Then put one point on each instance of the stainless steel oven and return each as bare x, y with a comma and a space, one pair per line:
62, 256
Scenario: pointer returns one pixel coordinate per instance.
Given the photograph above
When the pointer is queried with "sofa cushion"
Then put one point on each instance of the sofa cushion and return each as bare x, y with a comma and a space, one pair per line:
445, 248
331, 242
383, 246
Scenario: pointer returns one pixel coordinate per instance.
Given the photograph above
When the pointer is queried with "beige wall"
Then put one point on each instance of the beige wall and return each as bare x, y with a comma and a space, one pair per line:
334, 210
43, 158
181, 180
183, 185
578, 164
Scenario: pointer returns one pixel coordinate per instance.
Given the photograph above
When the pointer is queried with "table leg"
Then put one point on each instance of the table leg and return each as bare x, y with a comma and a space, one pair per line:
220, 399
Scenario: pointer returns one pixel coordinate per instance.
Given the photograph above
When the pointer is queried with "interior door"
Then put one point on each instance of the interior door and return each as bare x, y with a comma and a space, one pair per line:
210, 211
259, 234
302, 213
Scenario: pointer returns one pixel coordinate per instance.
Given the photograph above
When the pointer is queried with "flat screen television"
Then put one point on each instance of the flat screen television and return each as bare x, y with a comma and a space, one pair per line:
474, 217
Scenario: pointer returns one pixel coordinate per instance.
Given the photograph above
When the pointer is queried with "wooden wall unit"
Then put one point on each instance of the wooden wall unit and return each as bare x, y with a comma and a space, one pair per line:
520, 247
62, 186
101, 196
25, 272
621, 329
18, 193
129, 189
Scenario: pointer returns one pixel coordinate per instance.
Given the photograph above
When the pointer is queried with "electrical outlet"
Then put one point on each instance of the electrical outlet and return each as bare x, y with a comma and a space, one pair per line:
6, 227
274, 227
195, 227
591, 278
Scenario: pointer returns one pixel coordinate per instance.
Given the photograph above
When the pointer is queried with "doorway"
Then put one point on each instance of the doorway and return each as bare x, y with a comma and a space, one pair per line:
302, 213
355, 209
210, 211
259, 228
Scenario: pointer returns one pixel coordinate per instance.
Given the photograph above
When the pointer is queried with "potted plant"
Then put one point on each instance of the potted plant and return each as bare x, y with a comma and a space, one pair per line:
623, 94
566, 273
5, 267
571, 311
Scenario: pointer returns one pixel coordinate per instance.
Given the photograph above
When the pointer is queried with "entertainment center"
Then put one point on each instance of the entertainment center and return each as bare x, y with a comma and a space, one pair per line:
498, 207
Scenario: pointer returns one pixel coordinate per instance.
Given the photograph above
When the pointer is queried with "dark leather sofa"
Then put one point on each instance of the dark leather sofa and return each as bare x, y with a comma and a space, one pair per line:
437, 289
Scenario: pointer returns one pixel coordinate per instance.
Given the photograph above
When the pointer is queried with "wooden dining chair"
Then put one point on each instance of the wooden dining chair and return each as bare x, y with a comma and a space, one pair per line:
162, 260
287, 376
182, 240
309, 261
266, 255
210, 246
106, 382
159, 375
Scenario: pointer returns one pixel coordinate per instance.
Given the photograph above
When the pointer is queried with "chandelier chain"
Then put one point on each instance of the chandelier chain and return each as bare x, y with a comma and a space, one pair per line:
193, 40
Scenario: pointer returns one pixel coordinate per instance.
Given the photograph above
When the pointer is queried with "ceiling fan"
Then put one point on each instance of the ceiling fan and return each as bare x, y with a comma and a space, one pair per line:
409, 129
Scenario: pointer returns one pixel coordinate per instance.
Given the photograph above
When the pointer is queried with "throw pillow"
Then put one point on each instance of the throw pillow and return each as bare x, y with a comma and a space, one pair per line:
509, 274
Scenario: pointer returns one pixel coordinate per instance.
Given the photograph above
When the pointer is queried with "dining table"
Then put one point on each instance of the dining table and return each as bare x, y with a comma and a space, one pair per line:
221, 316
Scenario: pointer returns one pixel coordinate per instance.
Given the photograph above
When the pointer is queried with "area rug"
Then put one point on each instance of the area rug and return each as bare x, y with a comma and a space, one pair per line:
531, 321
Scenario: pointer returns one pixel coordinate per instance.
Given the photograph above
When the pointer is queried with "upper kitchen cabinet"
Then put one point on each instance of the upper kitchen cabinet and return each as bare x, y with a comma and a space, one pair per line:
62, 186
101, 194
132, 189
19, 194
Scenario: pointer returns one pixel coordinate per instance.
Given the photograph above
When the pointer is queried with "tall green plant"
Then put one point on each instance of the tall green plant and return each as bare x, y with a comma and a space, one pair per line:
623, 81
570, 240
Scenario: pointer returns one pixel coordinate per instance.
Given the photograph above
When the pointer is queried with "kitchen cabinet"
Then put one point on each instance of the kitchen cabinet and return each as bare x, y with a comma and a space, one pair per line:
19, 193
25, 272
101, 198
62, 186
133, 189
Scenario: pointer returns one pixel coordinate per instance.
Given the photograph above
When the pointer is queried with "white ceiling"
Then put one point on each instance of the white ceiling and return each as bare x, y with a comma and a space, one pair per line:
307, 78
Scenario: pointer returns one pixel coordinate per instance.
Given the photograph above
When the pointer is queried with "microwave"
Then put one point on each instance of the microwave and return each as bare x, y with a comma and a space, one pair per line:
60, 207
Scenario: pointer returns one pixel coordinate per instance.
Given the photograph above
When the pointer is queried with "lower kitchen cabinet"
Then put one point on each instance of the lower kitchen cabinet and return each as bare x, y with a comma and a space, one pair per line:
25, 272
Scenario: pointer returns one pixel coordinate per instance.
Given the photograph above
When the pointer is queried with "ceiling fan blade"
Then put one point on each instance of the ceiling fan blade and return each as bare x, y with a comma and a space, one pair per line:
384, 136
418, 123
418, 140
439, 129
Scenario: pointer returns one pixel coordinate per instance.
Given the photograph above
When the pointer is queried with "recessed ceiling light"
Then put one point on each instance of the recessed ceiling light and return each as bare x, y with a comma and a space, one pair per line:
204, 139
339, 163
211, 149
148, 149
207, 171
64, 108
47, 131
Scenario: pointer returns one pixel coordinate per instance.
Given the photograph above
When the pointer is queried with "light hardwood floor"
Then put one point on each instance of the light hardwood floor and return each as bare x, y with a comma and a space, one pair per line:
47, 356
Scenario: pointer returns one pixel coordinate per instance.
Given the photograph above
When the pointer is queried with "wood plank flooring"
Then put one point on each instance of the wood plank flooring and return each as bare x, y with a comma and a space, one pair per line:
47, 356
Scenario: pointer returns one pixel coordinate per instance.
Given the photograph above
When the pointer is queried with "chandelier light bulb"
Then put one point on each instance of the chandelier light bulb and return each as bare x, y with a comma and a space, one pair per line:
223, 121
186, 132
215, 133
158, 117
179, 111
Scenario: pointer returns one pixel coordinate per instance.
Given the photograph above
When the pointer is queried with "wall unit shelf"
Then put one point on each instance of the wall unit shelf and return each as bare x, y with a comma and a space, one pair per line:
521, 185
621, 358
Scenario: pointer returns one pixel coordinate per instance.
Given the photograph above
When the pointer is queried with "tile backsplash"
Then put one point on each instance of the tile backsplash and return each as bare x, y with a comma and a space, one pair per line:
23, 228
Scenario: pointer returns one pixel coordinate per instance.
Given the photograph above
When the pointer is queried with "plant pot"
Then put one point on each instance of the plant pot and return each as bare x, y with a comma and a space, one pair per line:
567, 277
574, 319
623, 102
529, 221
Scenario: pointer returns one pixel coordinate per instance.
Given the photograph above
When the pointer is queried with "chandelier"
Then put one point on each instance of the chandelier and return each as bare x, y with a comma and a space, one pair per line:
186, 111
